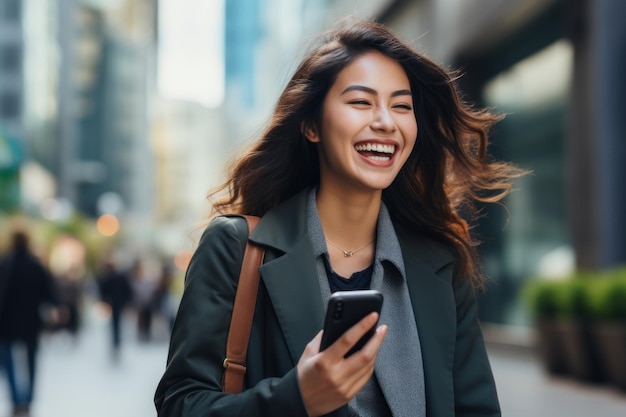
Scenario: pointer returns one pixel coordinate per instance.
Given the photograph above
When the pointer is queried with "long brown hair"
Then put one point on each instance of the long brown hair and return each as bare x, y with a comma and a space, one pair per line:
448, 170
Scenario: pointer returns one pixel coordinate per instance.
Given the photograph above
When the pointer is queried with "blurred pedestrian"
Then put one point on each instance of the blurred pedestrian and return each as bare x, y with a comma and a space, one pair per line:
162, 300
115, 290
26, 287
351, 197
70, 292
144, 286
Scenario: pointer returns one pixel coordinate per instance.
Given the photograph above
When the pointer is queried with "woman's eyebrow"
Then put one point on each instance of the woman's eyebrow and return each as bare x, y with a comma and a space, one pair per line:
357, 87
401, 93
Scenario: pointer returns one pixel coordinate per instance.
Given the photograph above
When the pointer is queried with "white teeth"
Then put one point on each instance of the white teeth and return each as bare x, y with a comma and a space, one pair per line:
379, 158
376, 147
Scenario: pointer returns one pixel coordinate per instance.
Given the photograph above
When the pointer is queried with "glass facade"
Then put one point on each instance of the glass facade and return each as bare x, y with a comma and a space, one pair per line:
243, 34
12, 9
529, 235
10, 58
9, 105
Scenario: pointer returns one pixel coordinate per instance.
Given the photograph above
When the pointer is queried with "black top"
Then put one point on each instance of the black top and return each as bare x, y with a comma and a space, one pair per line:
360, 280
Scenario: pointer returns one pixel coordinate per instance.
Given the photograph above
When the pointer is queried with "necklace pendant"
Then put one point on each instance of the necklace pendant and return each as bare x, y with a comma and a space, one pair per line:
347, 253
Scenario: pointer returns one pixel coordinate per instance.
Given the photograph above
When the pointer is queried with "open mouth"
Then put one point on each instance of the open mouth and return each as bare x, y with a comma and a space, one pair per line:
376, 151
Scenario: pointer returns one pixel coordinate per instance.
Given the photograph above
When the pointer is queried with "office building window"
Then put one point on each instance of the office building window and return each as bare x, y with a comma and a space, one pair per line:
9, 106
11, 9
10, 56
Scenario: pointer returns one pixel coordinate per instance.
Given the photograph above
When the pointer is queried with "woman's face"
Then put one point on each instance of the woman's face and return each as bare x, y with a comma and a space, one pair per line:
368, 127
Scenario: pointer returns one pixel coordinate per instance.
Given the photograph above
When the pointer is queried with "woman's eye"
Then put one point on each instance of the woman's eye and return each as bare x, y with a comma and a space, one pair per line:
403, 107
360, 102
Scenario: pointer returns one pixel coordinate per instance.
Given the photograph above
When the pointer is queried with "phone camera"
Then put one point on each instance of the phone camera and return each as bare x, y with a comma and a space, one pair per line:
338, 311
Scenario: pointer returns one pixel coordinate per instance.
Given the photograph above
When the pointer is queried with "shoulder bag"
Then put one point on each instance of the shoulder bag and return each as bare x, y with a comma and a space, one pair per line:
243, 312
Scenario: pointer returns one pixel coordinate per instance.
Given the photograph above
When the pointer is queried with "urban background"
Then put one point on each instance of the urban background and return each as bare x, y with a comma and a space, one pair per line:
118, 116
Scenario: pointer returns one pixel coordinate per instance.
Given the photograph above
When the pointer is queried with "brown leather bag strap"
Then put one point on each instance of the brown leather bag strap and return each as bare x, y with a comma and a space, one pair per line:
243, 312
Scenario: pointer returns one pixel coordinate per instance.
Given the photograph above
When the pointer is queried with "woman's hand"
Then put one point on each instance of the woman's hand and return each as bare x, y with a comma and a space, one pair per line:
327, 379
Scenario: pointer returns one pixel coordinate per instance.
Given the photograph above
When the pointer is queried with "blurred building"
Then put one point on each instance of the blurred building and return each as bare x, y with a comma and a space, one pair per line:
11, 98
262, 42
107, 81
12, 65
243, 35
11, 155
27, 87
189, 148
554, 67
287, 27
76, 79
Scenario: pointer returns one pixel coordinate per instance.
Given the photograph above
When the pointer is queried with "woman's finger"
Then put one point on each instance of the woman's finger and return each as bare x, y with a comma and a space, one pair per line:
313, 347
350, 338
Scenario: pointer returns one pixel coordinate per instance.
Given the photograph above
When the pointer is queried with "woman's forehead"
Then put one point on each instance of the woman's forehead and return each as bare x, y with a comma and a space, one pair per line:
372, 71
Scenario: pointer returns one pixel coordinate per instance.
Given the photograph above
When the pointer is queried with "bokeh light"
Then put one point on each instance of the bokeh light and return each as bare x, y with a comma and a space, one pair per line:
101, 311
108, 225
182, 259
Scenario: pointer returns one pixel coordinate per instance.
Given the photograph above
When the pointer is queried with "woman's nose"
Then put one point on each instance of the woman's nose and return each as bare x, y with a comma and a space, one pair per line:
382, 120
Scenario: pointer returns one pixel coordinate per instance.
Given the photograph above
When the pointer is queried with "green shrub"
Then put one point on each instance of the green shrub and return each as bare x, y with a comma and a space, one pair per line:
573, 297
586, 294
608, 296
541, 297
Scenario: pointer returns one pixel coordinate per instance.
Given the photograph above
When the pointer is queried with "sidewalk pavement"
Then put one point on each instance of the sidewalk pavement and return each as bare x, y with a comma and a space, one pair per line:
79, 379
526, 390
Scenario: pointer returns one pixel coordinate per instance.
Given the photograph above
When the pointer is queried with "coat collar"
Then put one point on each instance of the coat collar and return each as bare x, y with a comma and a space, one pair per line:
282, 228
388, 249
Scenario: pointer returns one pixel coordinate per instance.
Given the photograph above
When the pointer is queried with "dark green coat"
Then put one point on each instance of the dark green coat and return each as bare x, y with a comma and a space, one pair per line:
290, 313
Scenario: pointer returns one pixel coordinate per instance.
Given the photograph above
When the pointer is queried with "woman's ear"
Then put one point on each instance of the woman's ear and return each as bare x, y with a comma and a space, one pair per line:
309, 132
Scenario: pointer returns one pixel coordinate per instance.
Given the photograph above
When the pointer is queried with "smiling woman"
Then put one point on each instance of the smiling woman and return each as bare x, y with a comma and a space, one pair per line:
358, 180
367, 130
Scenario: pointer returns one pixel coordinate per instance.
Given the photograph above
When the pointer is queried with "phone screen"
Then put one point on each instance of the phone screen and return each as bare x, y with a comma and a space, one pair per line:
345, 309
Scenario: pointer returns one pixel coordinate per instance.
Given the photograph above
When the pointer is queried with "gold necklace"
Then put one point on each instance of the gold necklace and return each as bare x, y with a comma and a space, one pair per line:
348, 253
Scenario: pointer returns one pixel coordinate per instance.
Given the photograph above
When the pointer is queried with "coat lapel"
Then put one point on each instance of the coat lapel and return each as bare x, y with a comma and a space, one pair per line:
399, 370
289, 273
291, 281
429, 279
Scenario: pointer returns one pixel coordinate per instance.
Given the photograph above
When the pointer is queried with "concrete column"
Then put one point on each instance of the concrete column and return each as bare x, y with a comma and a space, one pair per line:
66, 138
597, 142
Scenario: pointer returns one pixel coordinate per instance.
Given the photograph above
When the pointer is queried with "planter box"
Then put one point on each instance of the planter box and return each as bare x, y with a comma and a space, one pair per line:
581, 351
551, 346
611, 341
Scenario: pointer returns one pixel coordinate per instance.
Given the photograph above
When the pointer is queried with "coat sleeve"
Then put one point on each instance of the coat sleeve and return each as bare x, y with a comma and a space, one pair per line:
474, 387
191, 385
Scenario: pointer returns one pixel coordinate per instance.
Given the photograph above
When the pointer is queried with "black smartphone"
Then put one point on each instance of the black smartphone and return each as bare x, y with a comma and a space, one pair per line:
345, 309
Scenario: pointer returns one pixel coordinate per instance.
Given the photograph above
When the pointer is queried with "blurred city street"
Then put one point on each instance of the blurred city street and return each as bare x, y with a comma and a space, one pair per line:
78, 379
119, 118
